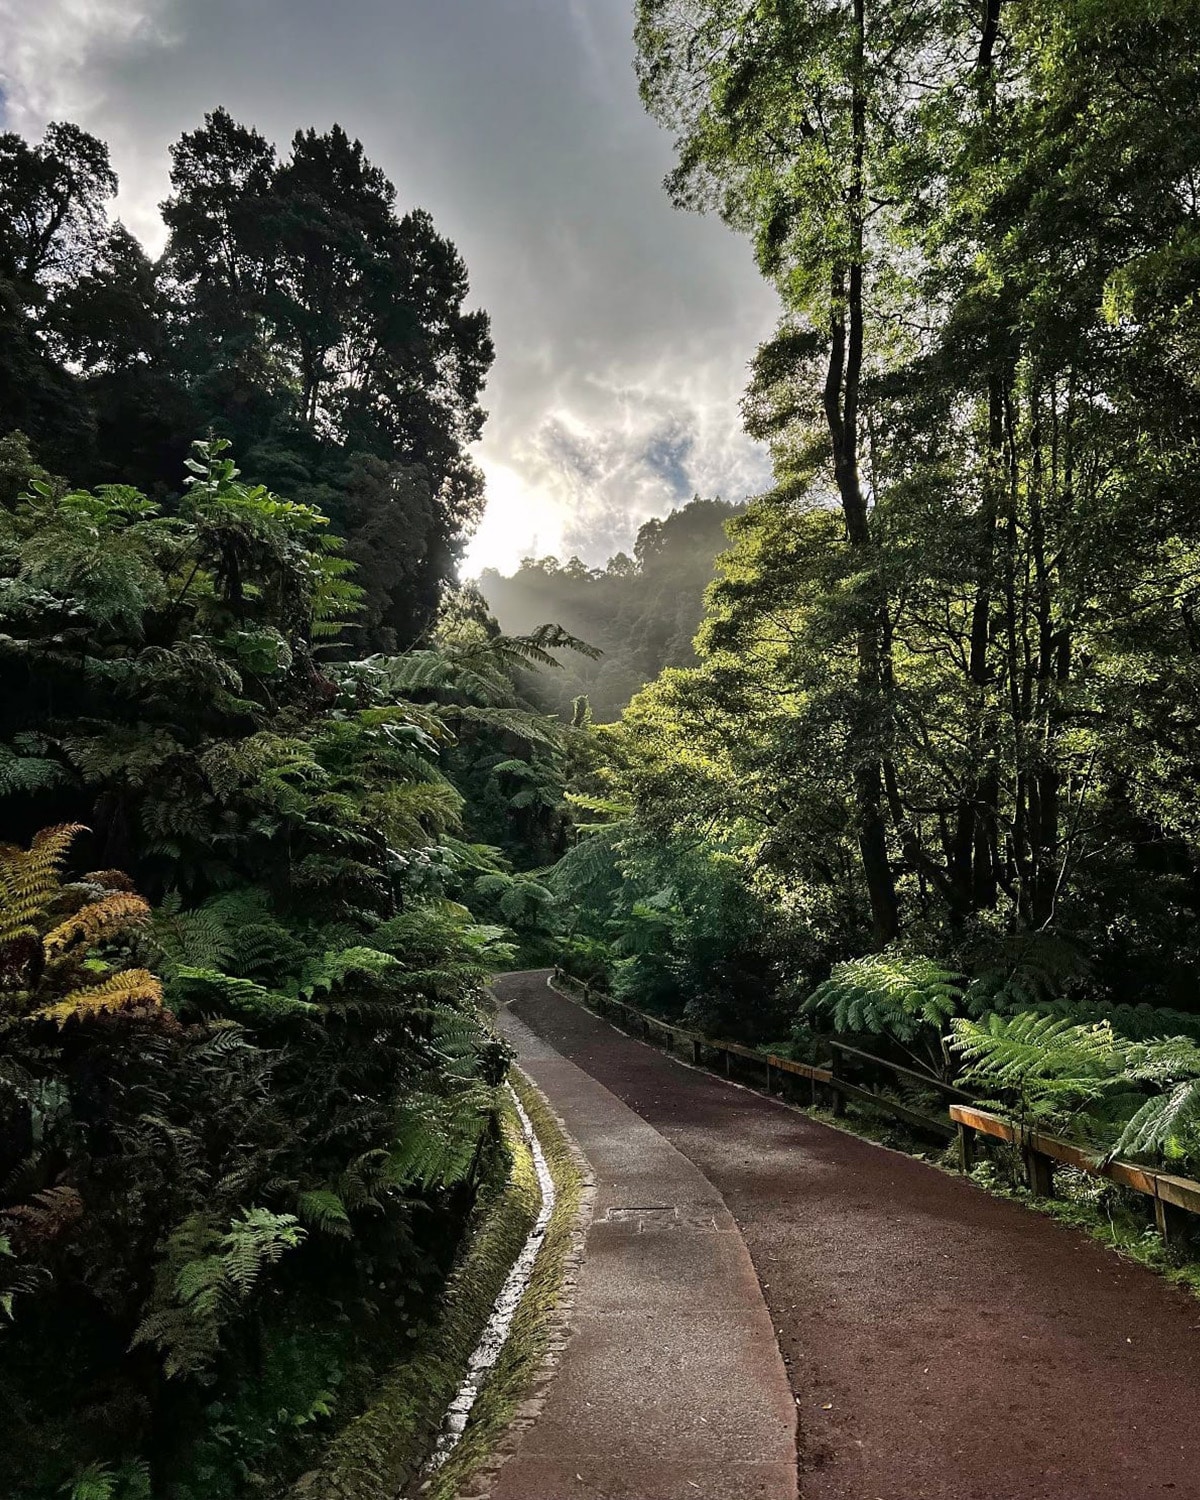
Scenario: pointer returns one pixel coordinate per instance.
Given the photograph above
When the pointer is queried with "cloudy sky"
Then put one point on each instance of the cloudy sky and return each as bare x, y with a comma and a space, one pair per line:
622, 327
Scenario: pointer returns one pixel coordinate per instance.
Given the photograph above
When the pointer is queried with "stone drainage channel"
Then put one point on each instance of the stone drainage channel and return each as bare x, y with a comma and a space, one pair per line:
496, 1329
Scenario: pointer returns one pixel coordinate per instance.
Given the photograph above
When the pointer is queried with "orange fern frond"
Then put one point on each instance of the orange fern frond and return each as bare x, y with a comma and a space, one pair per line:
132, 989
31, 878
96, 922
47, 1217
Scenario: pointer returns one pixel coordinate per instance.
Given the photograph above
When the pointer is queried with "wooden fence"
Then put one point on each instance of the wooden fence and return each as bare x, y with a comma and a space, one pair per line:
1040, 1152
963, 1119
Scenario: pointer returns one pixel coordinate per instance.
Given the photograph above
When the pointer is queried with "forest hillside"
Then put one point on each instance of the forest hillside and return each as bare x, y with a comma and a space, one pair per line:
641, 612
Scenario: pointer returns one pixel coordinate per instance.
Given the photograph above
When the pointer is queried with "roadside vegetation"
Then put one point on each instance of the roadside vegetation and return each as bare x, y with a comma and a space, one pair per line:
266, 827
932, 782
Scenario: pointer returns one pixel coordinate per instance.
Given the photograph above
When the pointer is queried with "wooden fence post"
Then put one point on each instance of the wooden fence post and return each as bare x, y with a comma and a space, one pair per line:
966, 1148
837, 1098
1039, 1173
1167, 1217
696, 1054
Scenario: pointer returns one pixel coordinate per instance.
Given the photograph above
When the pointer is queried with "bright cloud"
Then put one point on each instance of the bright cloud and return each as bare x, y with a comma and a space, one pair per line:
622, 328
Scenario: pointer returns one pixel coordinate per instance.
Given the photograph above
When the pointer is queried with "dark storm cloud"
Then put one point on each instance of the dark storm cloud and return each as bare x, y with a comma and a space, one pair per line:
622, 328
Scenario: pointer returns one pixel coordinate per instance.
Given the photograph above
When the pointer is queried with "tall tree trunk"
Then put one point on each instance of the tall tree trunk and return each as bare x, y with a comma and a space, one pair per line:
841, 403
972, 872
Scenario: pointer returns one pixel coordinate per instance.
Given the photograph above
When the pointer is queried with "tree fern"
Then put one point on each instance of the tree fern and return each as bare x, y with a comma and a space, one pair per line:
199, 938
888, 994
1018, 1052
1088, 1076
586, 868
1023, 970
521, 725
1167, 1124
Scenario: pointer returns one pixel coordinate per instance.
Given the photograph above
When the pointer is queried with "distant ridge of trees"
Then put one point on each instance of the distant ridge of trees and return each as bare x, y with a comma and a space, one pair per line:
641, 612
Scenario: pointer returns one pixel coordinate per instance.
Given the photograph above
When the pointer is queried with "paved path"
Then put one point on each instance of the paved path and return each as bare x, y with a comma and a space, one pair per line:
942, 1344
672, 1386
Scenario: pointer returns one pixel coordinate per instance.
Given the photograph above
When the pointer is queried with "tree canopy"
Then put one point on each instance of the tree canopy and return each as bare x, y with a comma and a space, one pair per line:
295, 311
943, 711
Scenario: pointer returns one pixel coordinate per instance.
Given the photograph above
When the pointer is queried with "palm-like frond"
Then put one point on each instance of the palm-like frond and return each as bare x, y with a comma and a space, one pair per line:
890, 994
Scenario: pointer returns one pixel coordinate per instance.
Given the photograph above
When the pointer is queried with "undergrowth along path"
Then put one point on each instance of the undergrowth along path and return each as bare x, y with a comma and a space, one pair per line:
942, 1344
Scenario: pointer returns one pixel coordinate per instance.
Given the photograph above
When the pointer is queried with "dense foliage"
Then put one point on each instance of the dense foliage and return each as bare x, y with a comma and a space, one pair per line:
945, 706
639, 612
243, 1126
294, 311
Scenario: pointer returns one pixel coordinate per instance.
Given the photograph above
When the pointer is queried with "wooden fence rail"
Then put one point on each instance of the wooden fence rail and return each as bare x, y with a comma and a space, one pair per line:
1041, 1151
963, 1119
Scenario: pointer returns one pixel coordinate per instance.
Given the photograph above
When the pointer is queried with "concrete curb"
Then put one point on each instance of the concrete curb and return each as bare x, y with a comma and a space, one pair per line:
558, 1325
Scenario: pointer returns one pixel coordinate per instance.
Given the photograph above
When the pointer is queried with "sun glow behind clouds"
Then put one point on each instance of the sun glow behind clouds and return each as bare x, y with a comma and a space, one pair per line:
520, 521
622, 328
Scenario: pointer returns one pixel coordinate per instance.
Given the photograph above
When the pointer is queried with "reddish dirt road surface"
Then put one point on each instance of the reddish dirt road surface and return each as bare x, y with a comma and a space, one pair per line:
942, 1344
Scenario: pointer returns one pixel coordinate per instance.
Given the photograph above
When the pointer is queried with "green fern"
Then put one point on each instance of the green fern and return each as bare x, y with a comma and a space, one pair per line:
208, 989
332, 969
887, 994
23, 774
1169, 1122
209, 1276
100, 1481
437, 1138
323, 1210
1087, 1076
1018, 1053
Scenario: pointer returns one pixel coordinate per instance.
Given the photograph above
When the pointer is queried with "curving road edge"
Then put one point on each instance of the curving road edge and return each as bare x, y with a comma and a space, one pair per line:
672, 1386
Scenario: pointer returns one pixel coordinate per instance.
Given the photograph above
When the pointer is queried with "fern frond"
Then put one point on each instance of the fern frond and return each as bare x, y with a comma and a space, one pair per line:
210, 988
323, 1209
1168, 1119
21, 775
891, 994
1011, 1052
530, 728
30, 878
132, 989
437, 1139
209, 1276
334, 968
97, 922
